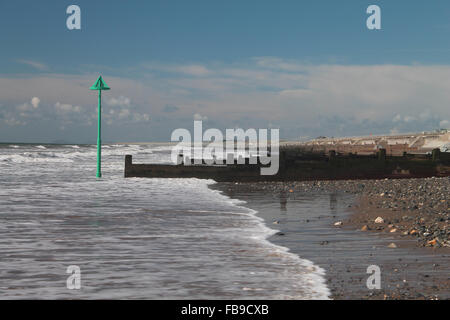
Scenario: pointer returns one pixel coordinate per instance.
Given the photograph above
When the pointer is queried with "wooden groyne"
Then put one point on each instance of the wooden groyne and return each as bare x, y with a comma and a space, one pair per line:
296, 165
394, 144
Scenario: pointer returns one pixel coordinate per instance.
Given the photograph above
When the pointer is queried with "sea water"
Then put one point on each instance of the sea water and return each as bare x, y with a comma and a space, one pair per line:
134, 238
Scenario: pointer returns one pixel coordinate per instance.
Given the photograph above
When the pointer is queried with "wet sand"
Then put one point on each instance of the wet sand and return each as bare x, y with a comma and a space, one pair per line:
322, 221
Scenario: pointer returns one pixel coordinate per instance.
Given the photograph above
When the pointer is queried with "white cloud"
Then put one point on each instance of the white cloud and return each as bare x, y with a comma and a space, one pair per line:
14, 122
35, 64
194, 70
394, 131
138, 117
425, 115
279, 64
23, 107
198, 116
121, 101
409, 119
67, 108
397, 118
124, 113
445, 124
35, 102
300, 98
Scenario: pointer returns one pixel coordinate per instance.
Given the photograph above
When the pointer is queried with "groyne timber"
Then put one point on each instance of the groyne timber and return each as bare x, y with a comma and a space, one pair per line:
374, 157
297, 165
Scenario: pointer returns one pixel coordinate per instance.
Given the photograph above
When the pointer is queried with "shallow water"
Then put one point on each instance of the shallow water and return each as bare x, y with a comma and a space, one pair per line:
306, 224
133, 238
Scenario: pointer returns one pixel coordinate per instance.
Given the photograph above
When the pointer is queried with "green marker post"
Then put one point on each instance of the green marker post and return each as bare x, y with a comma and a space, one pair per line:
99, 85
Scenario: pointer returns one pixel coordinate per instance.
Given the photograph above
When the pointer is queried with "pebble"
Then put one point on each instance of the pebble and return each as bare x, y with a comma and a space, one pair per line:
379, 220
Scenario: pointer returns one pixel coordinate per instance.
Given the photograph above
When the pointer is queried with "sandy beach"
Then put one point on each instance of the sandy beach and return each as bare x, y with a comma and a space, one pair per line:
345, 226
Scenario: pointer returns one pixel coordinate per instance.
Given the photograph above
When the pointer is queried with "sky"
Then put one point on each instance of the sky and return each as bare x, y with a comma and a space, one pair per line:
309, 68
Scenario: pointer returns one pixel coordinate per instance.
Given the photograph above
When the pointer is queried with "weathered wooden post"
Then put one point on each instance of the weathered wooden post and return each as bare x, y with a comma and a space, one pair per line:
283, 160
128, 164
331, 154
435, 154
382, 154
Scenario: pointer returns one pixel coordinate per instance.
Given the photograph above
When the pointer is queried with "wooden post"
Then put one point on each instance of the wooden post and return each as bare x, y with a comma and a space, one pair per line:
382, 154
436, 154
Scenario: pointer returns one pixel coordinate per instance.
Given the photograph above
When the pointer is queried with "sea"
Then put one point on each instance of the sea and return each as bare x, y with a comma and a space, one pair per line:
133, 238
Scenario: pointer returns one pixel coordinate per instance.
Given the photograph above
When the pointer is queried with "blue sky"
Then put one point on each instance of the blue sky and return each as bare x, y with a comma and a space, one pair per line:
308, 67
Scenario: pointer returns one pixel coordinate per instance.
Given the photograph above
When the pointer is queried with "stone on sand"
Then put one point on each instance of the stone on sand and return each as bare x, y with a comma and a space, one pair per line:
379, 220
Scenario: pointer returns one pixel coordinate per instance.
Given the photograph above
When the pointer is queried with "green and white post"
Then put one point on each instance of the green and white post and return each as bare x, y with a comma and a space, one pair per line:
99, 85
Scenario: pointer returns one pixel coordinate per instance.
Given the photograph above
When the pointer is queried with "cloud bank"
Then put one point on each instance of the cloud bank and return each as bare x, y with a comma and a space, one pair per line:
300, 99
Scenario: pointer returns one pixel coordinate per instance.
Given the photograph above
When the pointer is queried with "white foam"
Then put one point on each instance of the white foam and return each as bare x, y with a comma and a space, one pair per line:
17, 158
316, 275
195, 193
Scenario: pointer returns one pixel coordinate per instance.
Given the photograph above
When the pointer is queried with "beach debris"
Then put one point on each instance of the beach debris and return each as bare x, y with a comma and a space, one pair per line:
276, 222
338, 223
379, 220
432, 242
413, 231
393, 230
365, 228
392, 245
290, 190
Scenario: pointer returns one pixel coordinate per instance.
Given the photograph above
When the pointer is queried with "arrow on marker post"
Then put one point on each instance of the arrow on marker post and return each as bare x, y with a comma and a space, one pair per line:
99, 85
